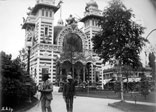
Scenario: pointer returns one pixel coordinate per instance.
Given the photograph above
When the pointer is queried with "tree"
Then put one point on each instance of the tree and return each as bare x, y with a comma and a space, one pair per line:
120, 37
145, 86
14, 90
152, 63
127, 71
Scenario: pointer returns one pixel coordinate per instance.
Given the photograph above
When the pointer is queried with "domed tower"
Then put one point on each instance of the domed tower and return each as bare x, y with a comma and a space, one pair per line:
91, 17
39, 30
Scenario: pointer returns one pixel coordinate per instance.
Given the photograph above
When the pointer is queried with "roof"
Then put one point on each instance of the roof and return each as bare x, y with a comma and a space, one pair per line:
41, 5
57, 30
92, 3
27, 24
109, 70
90, 16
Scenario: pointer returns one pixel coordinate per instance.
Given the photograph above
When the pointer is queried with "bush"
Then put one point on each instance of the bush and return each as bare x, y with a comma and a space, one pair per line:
145, 87
117, 87
14, 78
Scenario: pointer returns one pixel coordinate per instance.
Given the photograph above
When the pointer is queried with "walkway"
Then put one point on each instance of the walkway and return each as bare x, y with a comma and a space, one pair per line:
82, 104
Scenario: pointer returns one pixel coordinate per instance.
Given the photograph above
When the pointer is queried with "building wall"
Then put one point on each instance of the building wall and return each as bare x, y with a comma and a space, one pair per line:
44, 53
41, 56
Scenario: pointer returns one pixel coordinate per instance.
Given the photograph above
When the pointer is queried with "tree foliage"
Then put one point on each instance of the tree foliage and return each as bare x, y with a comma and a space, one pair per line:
152, 63
151, 60
120, 37
14, 88
145, 87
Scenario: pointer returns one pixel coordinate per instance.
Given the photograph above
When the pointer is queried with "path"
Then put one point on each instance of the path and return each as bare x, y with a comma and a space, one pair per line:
81, 104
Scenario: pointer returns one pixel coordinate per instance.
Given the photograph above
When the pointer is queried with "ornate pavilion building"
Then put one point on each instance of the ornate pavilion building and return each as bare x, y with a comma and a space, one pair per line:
60, 49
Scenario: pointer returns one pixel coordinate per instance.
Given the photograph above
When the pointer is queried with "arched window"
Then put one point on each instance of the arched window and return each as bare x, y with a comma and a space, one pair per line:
72, 42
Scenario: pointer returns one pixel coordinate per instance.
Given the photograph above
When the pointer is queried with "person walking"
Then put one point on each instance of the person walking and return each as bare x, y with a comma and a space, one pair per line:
69, 93
46, 89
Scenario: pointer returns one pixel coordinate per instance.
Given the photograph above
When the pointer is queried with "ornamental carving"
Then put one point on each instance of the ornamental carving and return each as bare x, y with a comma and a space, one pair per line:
69, 30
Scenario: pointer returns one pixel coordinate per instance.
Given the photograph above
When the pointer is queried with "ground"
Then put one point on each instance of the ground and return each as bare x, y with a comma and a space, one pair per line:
91, 104
131, 107
81, 104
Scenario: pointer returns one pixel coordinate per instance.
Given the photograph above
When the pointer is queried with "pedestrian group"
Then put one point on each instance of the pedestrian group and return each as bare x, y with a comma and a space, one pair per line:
46, 89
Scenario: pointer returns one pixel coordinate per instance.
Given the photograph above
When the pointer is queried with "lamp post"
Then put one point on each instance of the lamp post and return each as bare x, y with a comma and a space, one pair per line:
28, 63
29, 44
150, 32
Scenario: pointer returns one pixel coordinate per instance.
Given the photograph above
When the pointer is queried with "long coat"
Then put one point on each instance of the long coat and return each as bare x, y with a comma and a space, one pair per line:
69, 89
46, 90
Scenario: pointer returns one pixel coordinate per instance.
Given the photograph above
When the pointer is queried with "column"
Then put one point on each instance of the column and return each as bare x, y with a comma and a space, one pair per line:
61, 72
73, 71
83, 73
102, 79
38, 71
92, 73
154, 74
78, 75
52, 68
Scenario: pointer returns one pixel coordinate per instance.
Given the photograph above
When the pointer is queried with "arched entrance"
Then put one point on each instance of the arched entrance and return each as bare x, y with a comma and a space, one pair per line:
74, 56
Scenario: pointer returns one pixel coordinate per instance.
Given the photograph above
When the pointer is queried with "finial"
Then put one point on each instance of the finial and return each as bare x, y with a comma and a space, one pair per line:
59, 4
71, 20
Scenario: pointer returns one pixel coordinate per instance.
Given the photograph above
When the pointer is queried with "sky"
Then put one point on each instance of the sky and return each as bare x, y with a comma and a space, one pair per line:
12, 11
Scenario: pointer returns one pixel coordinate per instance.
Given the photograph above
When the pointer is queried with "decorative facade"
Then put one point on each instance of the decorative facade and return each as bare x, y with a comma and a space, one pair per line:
60, 49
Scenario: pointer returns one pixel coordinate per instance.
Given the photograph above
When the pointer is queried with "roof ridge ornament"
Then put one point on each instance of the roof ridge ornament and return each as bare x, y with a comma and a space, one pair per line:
71, 20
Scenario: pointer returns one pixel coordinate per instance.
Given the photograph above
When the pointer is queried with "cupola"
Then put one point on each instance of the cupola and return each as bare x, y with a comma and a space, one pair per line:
60, 22
92, 3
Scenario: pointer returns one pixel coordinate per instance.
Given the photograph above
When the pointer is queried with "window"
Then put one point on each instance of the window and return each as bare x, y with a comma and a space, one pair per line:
97, 23
46, 13
50, 13
93, 21
46, 31
88, 22
45, 70
42, 12
85, 24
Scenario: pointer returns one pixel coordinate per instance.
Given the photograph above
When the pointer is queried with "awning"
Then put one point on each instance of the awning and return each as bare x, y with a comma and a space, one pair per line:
132, 80
105, 81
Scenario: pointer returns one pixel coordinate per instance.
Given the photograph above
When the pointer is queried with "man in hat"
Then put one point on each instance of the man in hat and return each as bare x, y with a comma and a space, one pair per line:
46, 89
69, 92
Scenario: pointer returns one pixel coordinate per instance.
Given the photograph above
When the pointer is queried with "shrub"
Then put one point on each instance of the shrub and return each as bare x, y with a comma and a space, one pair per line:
14, 78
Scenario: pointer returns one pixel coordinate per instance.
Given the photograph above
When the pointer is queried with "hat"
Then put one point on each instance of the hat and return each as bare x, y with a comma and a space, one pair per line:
69, 77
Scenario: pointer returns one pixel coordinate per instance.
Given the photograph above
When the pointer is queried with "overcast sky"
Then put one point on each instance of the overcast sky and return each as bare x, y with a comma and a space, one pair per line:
12, 36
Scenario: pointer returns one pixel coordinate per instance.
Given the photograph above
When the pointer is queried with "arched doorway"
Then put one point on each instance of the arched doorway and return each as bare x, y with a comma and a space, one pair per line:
74, 54
66, 67
72, 45
79, 72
